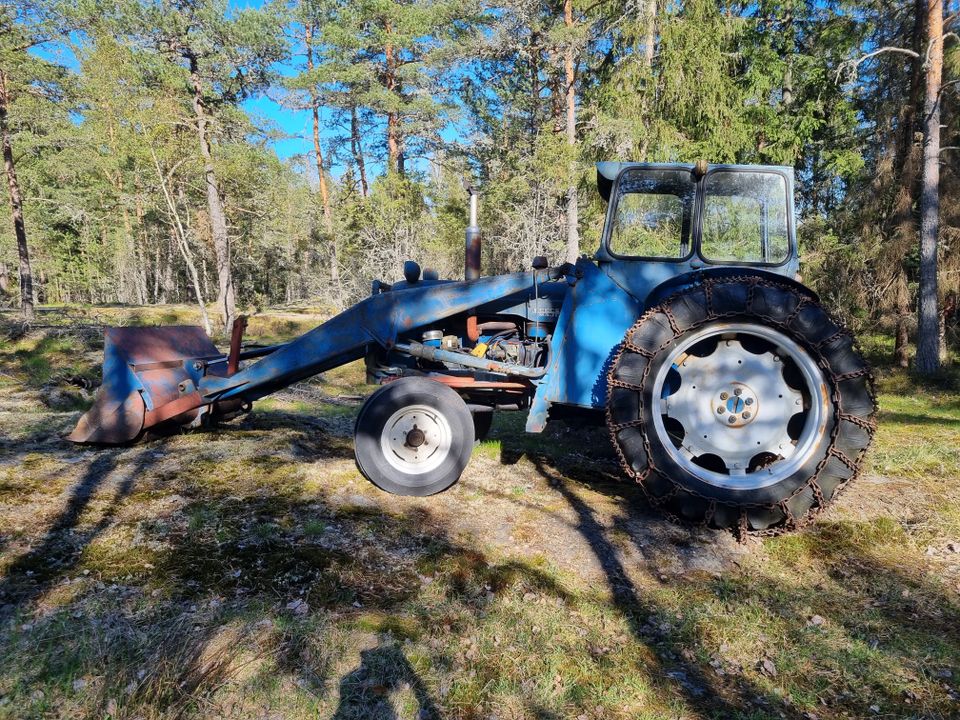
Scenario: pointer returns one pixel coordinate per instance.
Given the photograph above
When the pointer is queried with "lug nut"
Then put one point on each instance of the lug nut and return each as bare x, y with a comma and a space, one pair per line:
746, 415
738, 392
721, 410
731, 419
748, 401
724, 396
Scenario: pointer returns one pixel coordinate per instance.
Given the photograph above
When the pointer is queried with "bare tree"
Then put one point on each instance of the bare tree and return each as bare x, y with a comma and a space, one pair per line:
180, 236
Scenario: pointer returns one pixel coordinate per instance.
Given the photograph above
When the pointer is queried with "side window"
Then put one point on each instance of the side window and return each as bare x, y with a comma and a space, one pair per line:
652, 217
745, 217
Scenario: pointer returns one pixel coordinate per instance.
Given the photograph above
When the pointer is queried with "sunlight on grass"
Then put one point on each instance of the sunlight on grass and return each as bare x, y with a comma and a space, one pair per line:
251, 566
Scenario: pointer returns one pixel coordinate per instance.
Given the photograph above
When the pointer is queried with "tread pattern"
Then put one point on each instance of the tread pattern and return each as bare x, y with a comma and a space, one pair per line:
798, 315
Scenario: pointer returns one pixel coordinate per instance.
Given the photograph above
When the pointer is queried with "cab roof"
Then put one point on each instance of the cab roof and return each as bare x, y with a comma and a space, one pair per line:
607, 172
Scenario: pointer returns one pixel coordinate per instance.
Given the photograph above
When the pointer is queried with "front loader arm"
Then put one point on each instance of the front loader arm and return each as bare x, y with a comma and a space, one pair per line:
140, 390
378, 319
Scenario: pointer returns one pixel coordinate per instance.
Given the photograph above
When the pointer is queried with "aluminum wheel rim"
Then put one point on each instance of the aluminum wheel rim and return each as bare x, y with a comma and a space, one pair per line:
416, 439
756, 401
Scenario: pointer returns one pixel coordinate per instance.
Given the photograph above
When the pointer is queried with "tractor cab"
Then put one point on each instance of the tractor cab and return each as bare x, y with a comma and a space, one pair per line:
667, 220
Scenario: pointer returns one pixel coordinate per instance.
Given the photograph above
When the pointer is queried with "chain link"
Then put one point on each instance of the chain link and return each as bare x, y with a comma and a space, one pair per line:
791, 522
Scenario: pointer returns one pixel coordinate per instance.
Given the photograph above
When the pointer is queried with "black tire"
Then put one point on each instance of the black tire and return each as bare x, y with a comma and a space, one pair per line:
438, 401
482, 422
835, 456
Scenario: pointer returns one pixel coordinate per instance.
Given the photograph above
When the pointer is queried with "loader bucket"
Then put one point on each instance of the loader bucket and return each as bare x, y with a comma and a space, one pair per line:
148, 378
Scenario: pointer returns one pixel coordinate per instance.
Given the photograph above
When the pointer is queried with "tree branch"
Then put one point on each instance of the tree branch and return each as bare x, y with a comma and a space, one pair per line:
851, 66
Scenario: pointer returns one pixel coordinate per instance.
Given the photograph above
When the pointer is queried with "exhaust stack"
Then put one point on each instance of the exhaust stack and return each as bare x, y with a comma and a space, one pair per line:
471, 257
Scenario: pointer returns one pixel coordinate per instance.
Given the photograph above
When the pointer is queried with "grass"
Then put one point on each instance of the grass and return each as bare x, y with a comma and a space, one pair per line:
250, 571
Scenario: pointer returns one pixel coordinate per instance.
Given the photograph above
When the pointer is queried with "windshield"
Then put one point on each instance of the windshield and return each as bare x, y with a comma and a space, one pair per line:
653, 214
743, 218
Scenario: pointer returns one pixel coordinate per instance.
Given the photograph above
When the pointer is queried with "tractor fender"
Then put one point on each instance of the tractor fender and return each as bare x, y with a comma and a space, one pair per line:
667, 288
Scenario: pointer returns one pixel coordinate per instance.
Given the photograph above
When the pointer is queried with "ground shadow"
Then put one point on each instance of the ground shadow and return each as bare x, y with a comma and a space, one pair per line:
701, 691
33, 572
364, 691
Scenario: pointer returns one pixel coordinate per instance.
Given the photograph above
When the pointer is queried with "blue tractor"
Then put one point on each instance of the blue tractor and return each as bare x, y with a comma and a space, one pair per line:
729, 392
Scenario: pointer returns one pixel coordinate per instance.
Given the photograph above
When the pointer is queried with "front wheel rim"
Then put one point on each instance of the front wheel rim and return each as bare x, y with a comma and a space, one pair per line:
739, 406
416, 439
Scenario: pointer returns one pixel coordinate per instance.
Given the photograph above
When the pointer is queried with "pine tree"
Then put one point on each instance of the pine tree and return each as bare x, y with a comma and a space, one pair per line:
222, 57
33, 82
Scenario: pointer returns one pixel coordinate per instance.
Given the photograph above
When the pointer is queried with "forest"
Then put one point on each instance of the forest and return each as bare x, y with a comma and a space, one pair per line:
188, 162
140, 172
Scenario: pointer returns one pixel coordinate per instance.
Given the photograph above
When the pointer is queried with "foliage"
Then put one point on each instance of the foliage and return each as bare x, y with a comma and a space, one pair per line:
418, 96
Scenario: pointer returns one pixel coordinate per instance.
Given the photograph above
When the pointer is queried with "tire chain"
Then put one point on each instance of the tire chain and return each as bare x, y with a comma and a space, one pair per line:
742, 531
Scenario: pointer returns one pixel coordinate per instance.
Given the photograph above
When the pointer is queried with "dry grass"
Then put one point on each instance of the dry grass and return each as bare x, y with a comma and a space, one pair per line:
250, 571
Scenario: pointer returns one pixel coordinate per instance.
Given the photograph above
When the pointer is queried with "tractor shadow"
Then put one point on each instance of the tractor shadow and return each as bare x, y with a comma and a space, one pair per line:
584, 456
901, 613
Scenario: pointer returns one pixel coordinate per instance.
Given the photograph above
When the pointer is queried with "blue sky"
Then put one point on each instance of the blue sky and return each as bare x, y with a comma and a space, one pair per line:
294, 124
289, 130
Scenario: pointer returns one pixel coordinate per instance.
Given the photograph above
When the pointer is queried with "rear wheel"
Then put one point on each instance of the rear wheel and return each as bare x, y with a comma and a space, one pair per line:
740, 403
413, 437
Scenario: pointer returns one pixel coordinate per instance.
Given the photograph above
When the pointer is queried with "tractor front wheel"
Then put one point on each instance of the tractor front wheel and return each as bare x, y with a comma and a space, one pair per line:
740, 403
413, 436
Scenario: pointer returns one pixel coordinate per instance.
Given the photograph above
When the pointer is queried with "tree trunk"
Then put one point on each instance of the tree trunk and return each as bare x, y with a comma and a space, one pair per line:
904, 231
927, 361
226, 299
324, 195
16, 206
650, 31
901, 347
156, 276
573, 235
534, 51
790, 40
357, 149
947, 313
393, 121
317, 149
139, 244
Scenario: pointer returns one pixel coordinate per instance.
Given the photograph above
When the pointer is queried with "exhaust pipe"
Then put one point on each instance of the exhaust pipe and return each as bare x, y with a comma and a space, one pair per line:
471, 256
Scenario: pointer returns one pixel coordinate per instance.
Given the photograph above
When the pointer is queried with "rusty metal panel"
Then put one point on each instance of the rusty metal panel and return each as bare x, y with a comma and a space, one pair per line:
147, 373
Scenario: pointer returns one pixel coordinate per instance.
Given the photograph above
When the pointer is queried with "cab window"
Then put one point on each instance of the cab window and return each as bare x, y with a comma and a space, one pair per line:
653, 214
744, 217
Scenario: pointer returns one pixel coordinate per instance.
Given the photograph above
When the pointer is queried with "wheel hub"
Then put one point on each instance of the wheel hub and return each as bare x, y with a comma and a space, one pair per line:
416, 439
736, 405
